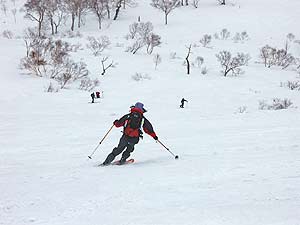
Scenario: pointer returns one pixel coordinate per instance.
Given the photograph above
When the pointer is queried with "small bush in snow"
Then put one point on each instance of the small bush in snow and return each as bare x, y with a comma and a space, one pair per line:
292, 85
7, 34
48, 58
199, 61
141, 35
232, 64
242, 109
241, 37
156, 60
276, 57
173, 55
223, 35
87, 84
204, 70
289, 38
98, 45
73, 71
140, 77
195, 3
51, 88
276, 104
206, 40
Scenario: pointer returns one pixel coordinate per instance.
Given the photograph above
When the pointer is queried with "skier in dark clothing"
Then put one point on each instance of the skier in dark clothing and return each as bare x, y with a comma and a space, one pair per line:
93, 97
132, 124
182, 102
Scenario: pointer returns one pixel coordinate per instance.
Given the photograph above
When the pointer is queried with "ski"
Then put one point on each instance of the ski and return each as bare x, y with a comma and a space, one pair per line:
129, 161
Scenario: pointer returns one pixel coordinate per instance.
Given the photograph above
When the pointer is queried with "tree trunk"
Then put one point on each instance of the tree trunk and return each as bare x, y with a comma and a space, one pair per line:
166, 18
52, 25
117, 11
73, 22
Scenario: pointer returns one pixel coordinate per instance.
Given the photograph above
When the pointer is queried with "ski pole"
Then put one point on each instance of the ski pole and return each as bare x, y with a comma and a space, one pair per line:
90, 156
176, 156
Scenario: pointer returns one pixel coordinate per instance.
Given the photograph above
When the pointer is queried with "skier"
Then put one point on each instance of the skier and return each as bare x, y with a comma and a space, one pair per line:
97, 94
132, 123
182, 102
93, 97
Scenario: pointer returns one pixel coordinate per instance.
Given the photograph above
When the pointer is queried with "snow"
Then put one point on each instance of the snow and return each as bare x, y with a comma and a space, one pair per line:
233, 168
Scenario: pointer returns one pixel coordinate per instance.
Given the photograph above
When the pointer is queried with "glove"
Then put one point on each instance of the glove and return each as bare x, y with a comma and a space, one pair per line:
115, 122
155, 138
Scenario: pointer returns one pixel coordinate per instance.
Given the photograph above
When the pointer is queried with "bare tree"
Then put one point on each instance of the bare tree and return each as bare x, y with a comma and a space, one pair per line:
188, 66
35, 10
14, 12
117, 4
232, 64
167, 6
142, 35
105, 67
77, 8
98, 45
56, 14
99, 7
3, 6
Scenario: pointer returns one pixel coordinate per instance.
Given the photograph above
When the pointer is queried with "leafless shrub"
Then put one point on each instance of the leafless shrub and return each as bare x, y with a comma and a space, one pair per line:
173, 55
289, 38
198, 61
8, 34
276, 104
72, 34
51, 88
87, 84
276, 57
105, 67
140, 77
73, 71
50, 58
223, 35
241, 37
232, 64
156, 60
195, 3
98, 45
204, 70
242, 109
206, 40
292, 85
141, 35
222, 2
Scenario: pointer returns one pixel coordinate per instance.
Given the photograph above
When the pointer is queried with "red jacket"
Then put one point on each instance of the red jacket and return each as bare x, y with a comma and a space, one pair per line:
147, 126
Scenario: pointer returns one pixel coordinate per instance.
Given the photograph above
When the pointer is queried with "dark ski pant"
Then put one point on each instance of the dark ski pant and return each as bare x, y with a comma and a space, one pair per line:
125, 142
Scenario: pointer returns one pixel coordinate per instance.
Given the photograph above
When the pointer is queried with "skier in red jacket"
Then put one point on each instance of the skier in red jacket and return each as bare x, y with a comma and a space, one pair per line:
132, 132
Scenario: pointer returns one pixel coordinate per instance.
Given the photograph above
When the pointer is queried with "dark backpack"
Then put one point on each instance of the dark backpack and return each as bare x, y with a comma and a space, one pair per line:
134, 124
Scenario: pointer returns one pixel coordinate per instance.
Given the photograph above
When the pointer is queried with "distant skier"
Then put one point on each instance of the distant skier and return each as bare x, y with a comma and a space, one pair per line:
182, 102
93, 97
97, 94
131, 123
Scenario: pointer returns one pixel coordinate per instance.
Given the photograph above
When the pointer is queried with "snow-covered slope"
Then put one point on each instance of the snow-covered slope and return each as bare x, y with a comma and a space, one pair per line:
234, 168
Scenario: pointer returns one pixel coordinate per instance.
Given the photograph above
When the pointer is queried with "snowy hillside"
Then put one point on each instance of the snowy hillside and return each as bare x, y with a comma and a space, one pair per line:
238, 164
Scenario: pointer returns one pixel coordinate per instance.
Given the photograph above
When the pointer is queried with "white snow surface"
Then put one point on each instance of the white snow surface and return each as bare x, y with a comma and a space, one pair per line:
233, 168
